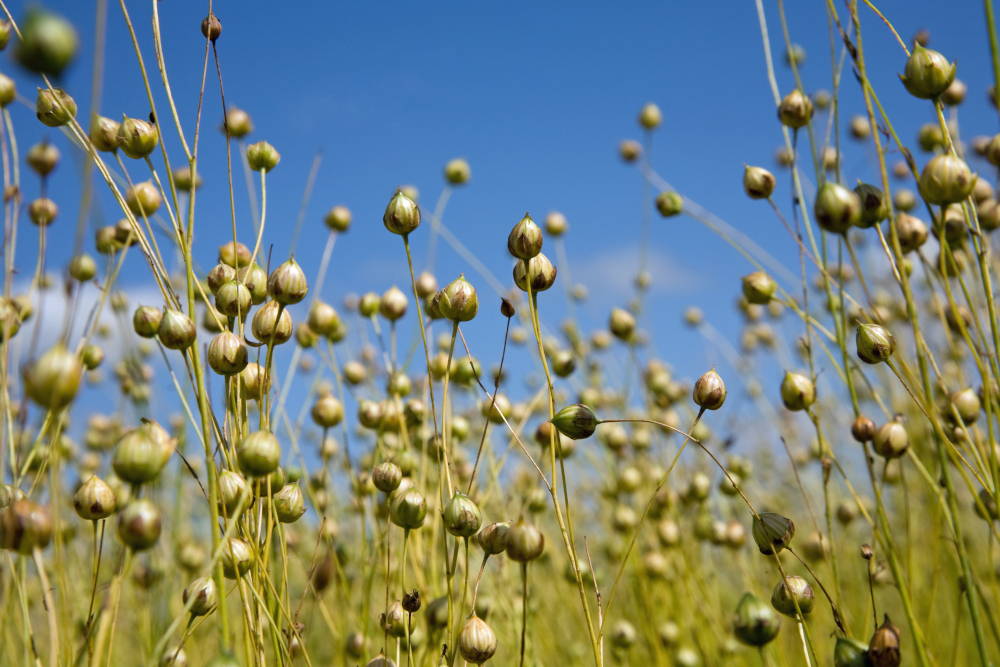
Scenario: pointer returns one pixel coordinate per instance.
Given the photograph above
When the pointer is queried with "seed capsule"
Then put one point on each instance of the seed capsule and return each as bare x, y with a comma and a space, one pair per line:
287, 284
458, 301
43, 157
946, 179
402, 215
211, 27
268, 327
143, 199
772, 532
543, 273
795, 109
477, 643
408, 509
25, 526
758, 183
576, 421
875, 344
327, 412
137, 138
836, 208
139, 525
104, 134
289, 505
42, 211
524, 542
141, 454
259, 454
227, 355
262, 156
759, 288
863, 429
525, 239
790, 592
53, 380
849, 652
755, 623
891, 440
883, 649
621, 323
8, 91
232, 298
202, 595
462, 517
669, 204
55, 107
82, 267
874, 207
48, 43
709, 391
234, 493
493, 538
176, 330
386, 476
457, 172
237, 557
798, 392
927, 73
629, 150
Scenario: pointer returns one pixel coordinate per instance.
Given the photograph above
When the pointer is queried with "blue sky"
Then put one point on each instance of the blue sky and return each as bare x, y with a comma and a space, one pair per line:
536, 96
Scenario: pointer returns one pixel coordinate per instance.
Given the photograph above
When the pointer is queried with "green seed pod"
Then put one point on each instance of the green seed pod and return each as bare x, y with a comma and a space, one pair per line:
53, 380
755, 623
477, 643
82, 267
883, 648
576, 421
793, 590
139, 525
104, 134
524, 542
176, 330
795, 109
650, 116
43, 157
408, 509
137, 138
8, 91
10, 319
233, 299
255, 280
203, 596
253, 381
220, 275
758, 183
759, 288
369, 304
393, 303
262, 156
798, 392
141, 454
772, 532
849, 652
555, 224
874, 207
458, 301
338, 219
709, 391
543, 273
323, 318
258, 454
912, 232
94, 500
875, 344
946, 179
234, 254
55, 107
427, 285
268, 327
237, 123
457, 172
42, 211
393, 620
493, 538
402, 215
669, 204
25, 526
836, 208
287, 284
143, 199
621, 323
48, 43
92, 356
386, 476
462, 517
327, 412
186, 180
237, 556
891, 440
927, 73
234, 493
227, 355
525, 239
967, 404
289, 505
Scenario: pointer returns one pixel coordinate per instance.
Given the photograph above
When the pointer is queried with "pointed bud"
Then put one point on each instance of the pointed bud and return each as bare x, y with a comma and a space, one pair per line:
927, 74
402, 215
458, 301
525, 239
55, 107
883, 649
477, 642
462, 517
287, 284
289, 505
543, 273
875, 344
137, 138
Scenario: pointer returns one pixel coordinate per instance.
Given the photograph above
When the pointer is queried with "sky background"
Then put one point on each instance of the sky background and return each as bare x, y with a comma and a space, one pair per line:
536, 96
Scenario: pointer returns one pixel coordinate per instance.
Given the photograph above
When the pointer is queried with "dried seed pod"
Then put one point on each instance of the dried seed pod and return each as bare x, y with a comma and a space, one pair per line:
795, 109
772, 532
